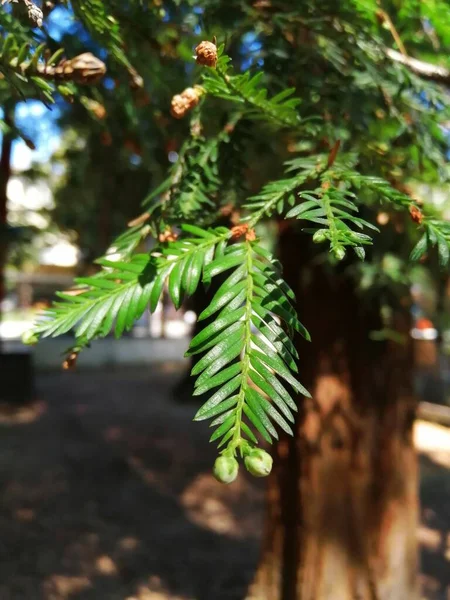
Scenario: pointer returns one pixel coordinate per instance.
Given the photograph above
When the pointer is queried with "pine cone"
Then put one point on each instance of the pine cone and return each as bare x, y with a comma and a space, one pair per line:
206, 54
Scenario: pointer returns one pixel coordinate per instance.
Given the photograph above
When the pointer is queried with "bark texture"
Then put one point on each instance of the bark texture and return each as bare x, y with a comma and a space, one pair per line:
342, 499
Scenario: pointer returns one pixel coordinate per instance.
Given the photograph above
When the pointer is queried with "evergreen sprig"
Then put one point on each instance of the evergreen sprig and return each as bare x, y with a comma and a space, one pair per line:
19, 64
333, 205
335, 211
436, 230
436, 234
118, 295
249, 92
22, 64
190, 192
247, 351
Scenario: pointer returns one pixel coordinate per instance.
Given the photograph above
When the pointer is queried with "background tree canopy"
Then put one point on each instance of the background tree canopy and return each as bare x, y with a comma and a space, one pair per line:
323, 118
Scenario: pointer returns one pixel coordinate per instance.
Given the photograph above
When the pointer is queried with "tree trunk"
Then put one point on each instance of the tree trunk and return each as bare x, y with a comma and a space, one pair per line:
5, 174
342, 499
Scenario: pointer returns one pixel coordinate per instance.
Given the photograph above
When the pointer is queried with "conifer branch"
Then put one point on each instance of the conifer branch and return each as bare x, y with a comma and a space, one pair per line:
22, 64
247, 351
82, 69
248, 91
420, 68
122, 290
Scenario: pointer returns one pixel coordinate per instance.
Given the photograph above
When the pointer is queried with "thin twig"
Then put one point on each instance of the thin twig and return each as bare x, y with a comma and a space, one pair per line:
419, 67
383, 16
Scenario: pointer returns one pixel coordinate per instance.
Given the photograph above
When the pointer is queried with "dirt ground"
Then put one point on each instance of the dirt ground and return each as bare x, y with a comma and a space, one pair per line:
107, 495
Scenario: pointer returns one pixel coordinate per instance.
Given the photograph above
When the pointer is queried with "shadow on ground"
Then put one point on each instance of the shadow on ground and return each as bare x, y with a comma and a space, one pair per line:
108, 496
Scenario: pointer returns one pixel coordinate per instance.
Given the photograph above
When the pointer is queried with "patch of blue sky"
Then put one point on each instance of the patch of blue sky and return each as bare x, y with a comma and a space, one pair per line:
251, 42
250, 50
428, 103
23, 157
135, 160
38, 124
61, 22
36, 121
108, 83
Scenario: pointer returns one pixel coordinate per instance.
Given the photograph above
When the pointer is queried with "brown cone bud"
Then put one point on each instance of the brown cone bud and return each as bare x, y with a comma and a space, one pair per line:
88, 68
206, 54
239, 230
416, 214
184, 102
85, 68
168, 236
178, 107
70, 361
35, 14
97, 109
250, 236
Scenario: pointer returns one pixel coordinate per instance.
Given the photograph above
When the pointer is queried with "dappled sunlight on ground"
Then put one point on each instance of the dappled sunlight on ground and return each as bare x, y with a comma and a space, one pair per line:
107, 494
217, 507
433, 444
10, 415
433, 441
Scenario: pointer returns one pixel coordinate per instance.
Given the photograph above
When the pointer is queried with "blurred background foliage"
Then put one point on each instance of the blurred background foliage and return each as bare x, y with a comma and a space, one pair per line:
103, 148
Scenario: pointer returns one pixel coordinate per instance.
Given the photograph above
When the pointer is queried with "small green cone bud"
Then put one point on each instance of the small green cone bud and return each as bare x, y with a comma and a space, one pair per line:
29, 338
339, 253
226, 469
320, 236
258, 463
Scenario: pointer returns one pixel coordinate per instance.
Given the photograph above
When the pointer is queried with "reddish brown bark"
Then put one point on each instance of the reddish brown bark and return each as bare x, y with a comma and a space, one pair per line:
342, 499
